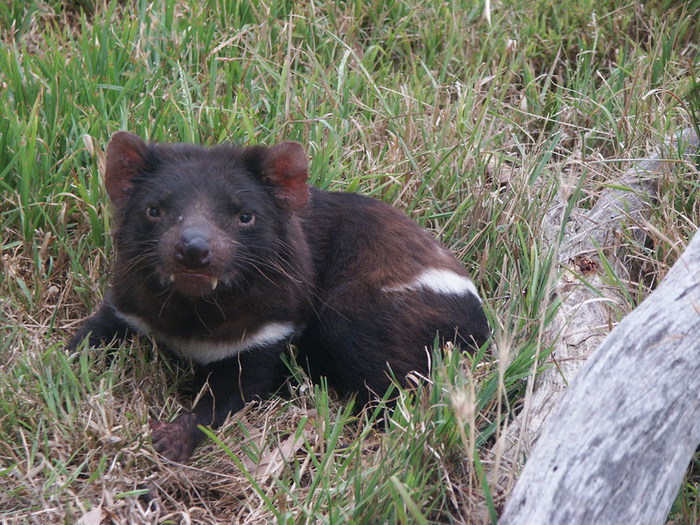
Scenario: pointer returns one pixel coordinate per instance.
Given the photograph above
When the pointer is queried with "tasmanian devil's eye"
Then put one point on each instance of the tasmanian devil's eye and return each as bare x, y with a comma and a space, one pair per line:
153, 211
246, 218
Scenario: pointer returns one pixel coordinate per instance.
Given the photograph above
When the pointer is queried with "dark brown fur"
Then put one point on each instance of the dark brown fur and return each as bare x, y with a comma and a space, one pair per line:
226, 256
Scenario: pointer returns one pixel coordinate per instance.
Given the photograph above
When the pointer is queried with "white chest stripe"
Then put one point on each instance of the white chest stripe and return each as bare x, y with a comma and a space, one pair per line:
440, 281
204, 352
135, 322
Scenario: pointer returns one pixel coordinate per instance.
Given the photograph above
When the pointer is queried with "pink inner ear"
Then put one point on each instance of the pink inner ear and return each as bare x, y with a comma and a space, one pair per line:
287, 167
125, 158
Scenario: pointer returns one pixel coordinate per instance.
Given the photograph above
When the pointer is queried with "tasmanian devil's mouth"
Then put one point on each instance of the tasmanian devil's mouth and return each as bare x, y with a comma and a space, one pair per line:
194, 283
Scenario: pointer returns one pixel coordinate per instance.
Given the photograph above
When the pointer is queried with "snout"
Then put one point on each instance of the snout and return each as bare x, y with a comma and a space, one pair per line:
193, 249
193, 272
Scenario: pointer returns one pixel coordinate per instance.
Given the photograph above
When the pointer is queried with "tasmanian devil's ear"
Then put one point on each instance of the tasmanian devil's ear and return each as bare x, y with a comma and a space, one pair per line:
125, 158
286, 168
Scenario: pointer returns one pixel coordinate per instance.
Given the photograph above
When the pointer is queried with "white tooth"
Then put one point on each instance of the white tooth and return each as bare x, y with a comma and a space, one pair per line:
172, 276
214, 282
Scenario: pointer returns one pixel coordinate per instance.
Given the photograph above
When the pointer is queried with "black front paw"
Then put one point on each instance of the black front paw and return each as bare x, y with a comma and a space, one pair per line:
103, 328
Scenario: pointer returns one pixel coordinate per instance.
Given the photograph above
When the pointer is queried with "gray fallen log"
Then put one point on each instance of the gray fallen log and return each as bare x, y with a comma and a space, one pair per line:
616, 447
614, 227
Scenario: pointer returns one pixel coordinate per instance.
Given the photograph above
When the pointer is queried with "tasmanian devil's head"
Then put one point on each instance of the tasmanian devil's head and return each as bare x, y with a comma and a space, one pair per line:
201, 220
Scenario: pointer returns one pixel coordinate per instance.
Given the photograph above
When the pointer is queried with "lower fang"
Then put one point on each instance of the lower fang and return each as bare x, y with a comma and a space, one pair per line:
172, 277
214, 282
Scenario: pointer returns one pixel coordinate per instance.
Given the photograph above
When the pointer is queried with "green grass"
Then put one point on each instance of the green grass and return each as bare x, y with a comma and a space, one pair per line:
470, 127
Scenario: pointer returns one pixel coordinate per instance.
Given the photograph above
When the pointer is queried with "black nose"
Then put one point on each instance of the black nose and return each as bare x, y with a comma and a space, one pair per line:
192, 250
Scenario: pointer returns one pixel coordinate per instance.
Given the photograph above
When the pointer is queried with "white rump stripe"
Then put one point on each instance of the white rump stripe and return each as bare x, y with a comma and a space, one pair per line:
439, 281
203, 352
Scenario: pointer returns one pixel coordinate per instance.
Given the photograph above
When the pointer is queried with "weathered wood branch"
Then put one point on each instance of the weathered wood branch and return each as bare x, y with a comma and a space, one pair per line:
588, 303
616, 447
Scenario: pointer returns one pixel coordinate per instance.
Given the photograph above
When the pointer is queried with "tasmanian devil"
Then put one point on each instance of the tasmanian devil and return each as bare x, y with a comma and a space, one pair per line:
226, 257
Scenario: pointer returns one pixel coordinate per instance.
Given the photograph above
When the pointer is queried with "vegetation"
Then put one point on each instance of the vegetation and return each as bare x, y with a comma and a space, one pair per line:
468, 117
